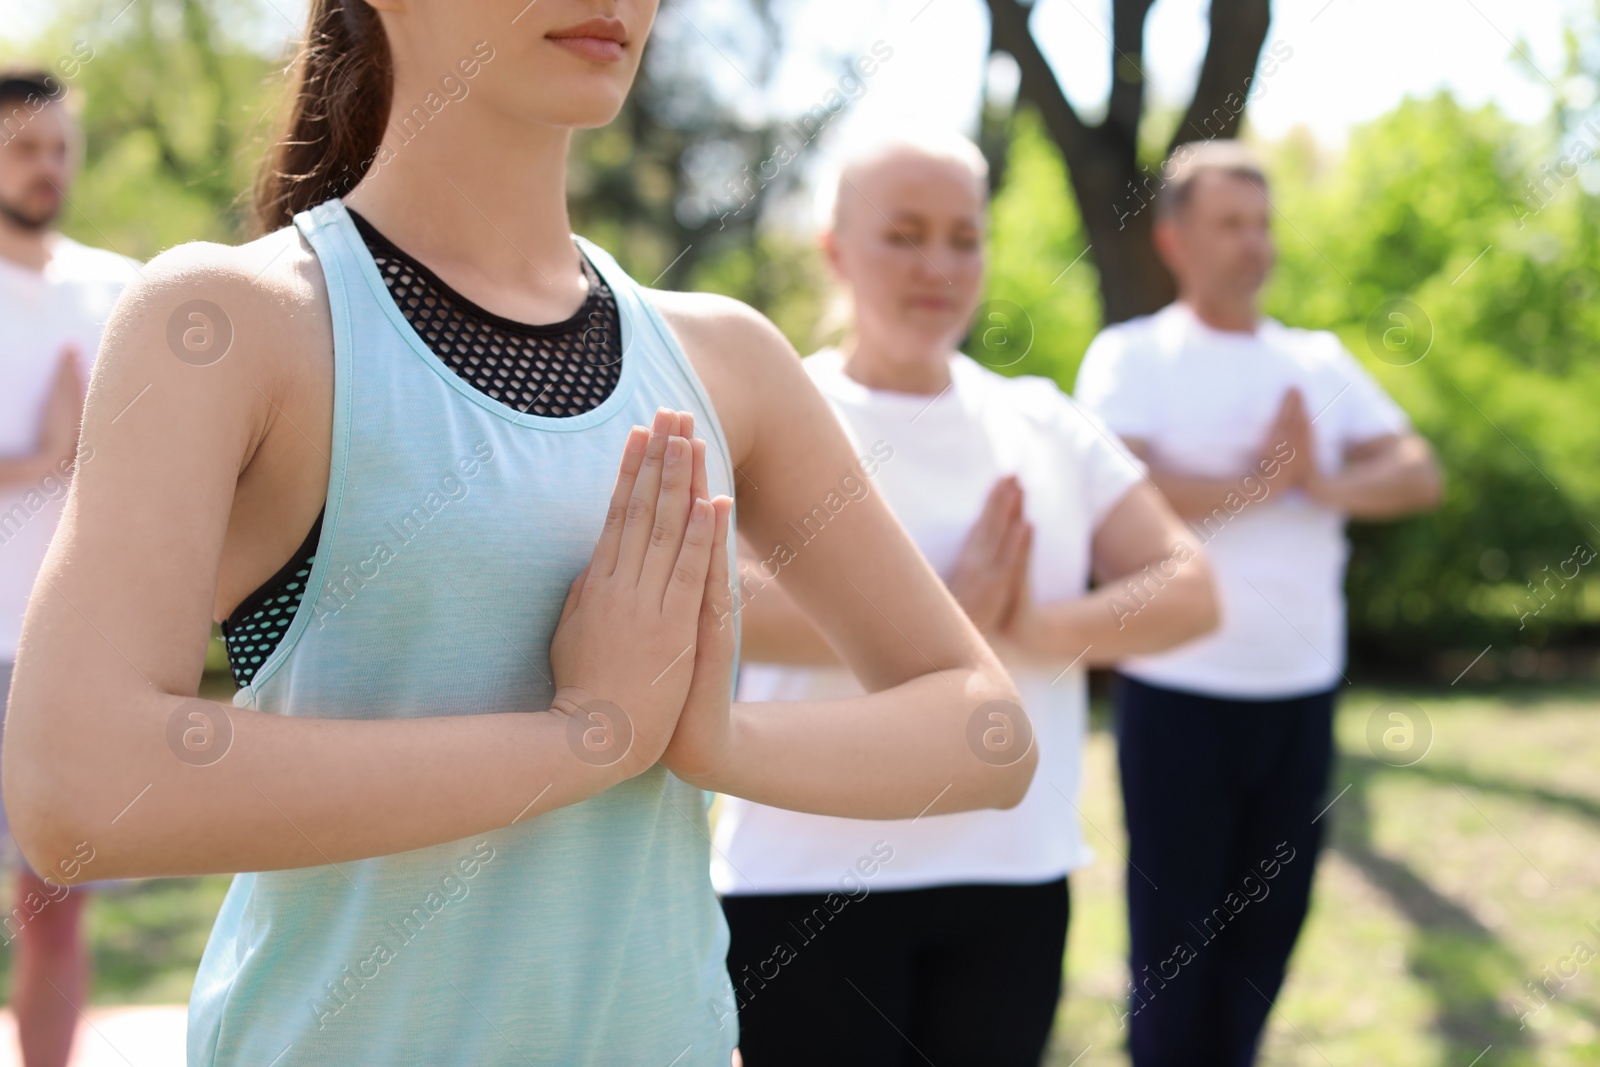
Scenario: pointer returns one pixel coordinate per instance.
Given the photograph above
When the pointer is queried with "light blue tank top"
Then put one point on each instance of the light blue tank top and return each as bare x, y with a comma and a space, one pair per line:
589, 935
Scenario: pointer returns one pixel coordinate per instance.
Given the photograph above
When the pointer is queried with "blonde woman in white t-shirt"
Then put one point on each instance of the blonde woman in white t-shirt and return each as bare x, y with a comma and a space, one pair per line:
941, 937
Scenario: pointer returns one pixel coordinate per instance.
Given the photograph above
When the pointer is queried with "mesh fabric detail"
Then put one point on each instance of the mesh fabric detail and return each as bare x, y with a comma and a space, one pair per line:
555, 370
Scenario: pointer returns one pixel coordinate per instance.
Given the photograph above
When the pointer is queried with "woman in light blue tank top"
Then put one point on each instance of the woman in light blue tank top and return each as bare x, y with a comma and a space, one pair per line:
469, 787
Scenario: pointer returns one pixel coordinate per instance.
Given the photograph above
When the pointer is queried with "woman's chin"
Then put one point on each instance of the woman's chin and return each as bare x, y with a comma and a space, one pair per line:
938, 328
582, 103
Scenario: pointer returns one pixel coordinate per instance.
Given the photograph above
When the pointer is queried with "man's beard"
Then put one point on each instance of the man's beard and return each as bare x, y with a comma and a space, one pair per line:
23, 221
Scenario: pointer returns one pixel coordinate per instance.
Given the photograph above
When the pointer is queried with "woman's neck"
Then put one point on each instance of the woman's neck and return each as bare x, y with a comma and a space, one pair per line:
898, 367
481, 201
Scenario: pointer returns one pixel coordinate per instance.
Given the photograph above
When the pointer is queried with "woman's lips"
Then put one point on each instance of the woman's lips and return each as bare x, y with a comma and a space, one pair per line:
594, 49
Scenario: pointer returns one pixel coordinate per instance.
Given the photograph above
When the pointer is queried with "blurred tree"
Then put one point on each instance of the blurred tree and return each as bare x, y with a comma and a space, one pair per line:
654, 186
1490, 228
1498, 363
1103, 160
171, 108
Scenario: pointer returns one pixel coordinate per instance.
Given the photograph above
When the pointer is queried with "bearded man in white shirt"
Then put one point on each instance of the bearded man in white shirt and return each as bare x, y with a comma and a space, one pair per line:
1265, 439
55, 295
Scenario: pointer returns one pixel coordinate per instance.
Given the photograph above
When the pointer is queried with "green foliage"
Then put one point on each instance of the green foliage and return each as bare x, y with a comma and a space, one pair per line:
171, 109
1452, 208
1429, 204
1037, 261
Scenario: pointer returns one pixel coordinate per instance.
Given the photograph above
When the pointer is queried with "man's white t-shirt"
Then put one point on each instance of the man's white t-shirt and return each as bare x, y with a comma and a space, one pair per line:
944, 454
1204, 400
66, 304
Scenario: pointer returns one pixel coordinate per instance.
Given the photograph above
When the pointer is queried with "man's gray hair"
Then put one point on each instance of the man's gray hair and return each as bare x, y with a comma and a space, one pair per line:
1188, 161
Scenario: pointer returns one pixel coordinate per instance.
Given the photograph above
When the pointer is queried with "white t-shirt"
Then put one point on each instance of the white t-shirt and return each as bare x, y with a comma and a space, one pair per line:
944, 454
67, 304
1204, 399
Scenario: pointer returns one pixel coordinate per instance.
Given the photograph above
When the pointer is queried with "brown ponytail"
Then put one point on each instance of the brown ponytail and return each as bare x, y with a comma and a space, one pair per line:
342, 85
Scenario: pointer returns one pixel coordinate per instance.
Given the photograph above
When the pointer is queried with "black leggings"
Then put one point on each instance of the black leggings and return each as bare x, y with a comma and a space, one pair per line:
959, 975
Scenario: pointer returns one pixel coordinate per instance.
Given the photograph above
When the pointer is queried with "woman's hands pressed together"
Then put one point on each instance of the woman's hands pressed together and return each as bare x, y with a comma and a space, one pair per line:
703, 737
640, 634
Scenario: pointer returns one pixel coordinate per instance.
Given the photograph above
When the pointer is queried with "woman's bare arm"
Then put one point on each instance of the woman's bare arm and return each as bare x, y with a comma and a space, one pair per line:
772, 628
1156, 591
913, 744
114, 640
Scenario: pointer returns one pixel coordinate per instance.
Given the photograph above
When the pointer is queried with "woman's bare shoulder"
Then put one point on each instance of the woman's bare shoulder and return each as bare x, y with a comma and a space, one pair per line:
210, 300
239, 331
722, 323
746, 362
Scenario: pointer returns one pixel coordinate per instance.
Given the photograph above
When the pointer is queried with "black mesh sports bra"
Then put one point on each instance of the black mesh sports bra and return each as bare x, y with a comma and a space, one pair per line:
555, 370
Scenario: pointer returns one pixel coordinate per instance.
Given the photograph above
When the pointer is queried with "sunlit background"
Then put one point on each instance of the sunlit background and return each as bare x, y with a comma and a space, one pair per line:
1417, 150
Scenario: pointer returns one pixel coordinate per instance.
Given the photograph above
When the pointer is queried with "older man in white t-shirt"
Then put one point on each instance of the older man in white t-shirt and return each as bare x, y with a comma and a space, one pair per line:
55, 296
1265, 438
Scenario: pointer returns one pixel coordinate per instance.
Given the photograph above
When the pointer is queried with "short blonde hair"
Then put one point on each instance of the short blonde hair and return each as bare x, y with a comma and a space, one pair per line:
1192, 159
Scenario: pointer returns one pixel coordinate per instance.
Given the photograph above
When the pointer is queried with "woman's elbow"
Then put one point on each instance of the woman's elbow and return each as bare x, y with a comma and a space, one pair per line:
45, 790
1002, 736
1205, 611
1016, 784
42, 820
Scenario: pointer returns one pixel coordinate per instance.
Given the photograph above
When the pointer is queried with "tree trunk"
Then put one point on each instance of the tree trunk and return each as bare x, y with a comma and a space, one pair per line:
1114, 194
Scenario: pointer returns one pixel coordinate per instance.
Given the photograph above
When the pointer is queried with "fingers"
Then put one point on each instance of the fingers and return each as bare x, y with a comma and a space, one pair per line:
635, 517
699, 489
716, 606
603, 561
1000, 511
719, 594
686, 586
1017, 579
671, 520
573, 591
1017, 536
640, 519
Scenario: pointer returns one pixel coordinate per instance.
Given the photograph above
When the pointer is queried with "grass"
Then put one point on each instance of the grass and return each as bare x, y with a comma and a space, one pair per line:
1446, 886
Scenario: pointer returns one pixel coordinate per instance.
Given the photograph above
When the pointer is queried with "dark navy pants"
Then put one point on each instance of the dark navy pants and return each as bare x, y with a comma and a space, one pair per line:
1220, 798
